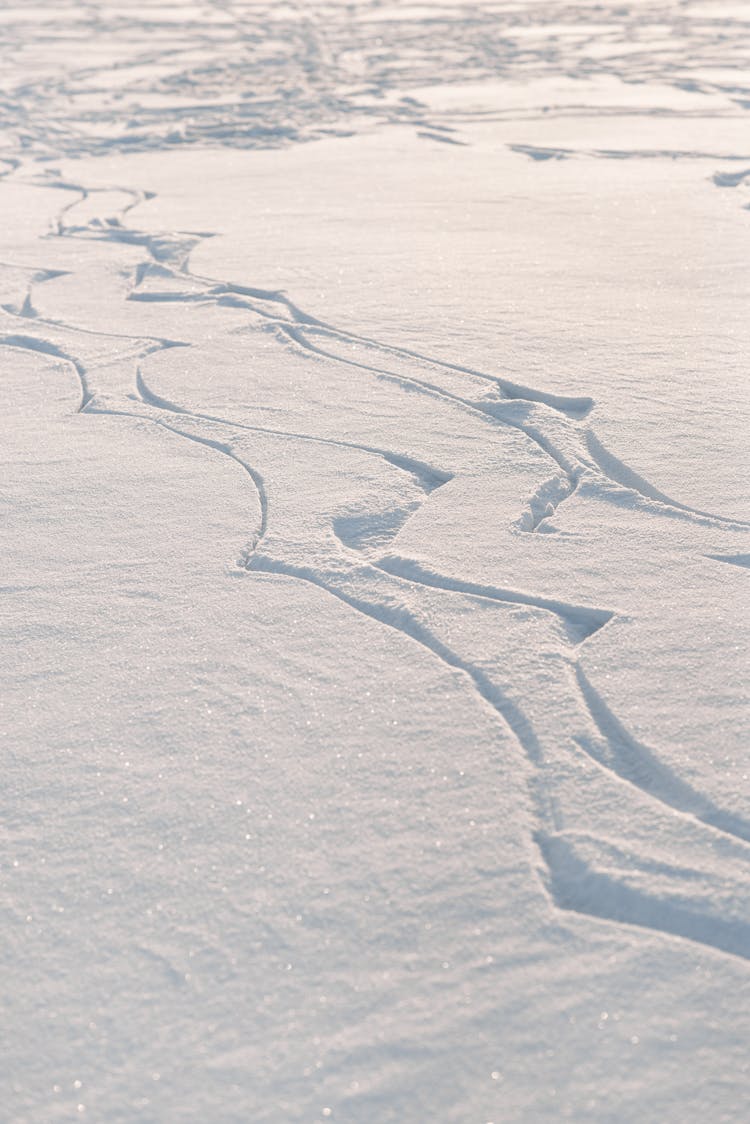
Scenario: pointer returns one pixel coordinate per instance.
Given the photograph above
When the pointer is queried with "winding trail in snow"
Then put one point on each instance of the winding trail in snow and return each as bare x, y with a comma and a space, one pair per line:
391, 590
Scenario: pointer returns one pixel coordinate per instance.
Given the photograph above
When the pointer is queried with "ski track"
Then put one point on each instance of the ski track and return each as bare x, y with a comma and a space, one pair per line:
427, 476
580, 621
332, 70
29, 343
578, 888
209, 443
732, 559
573, 883
638, 765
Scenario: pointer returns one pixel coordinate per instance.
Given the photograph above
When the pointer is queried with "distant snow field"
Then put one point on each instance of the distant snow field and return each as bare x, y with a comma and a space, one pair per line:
376, 533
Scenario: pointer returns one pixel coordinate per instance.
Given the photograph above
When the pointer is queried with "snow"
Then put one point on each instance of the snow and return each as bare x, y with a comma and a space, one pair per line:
375, 539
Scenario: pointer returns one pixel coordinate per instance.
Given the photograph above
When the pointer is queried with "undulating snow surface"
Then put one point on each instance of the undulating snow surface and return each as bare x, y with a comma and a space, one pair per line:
375, 544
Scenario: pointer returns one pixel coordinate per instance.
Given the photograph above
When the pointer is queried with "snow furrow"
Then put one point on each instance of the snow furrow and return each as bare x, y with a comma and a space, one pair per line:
613, 895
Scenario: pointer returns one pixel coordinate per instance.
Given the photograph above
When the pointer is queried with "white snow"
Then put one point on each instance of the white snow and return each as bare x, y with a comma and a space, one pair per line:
375, 546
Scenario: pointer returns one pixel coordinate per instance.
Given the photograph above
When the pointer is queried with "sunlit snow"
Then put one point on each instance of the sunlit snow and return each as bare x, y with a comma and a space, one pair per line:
375, 545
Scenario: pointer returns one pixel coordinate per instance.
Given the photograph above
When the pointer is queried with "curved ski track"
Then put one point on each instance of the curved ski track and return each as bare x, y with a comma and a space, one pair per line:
387, 588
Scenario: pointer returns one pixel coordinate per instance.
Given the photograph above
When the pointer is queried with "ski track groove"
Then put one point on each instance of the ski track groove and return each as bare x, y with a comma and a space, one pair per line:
568, 892
567, 877
428, 476
166, 247
616, 470
578, 888
582, 620
574, 408
401, 619
636, 764
628, 759
208, 442
28, 343
732, 559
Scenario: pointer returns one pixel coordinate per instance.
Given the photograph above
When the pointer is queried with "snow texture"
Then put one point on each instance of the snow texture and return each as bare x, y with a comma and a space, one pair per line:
375, 545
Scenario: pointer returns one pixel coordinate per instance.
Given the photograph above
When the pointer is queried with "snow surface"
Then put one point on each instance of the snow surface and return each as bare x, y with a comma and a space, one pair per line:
375, 546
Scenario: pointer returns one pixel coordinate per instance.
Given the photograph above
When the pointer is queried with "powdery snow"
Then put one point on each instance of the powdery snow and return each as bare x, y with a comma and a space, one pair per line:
376, 535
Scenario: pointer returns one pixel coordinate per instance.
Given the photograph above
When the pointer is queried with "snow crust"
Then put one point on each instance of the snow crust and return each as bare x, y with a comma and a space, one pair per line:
375, 547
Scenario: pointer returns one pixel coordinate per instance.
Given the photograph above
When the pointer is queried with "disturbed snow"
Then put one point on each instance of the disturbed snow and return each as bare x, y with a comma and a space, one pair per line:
376, 537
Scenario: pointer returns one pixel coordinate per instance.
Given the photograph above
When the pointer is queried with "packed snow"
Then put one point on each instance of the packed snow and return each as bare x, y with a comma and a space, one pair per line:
375, 544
